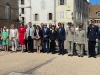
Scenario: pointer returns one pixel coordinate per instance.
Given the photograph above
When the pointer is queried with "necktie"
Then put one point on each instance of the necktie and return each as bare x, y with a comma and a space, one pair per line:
29, 31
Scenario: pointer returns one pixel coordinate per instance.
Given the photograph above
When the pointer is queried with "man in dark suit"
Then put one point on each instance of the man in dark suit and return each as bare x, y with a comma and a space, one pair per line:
61, 38
30, 37
45, 38
92, 35
42, 26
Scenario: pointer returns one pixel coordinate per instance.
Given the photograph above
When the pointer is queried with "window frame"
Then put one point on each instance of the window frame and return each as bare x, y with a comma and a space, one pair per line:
62, 2
62, 15
36, 18
50, 16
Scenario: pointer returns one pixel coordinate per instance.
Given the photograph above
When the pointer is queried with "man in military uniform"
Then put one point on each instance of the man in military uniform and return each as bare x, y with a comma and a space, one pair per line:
80, 41
70, 38
92, 35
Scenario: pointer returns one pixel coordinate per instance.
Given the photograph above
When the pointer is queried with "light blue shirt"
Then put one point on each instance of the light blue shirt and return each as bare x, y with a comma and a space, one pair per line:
31, 29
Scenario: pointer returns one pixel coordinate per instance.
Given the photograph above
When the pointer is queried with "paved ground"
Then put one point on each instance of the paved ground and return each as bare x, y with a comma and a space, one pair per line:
47, 64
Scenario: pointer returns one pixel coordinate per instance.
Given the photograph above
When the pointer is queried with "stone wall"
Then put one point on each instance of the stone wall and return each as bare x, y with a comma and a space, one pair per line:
8, 23
14, 12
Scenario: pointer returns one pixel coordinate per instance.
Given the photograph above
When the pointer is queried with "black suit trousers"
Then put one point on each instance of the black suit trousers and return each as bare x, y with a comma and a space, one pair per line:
30, 44
91, 48
52, 45
61, 46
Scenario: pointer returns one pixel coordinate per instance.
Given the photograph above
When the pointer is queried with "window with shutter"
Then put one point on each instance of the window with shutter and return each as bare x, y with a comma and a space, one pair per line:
58, 2
61, 2
23, 18
61, 14
36, 17
22, 10
22, 2
50, 16
65, 2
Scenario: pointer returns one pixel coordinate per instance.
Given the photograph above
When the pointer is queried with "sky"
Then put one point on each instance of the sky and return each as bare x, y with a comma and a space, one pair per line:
95, 1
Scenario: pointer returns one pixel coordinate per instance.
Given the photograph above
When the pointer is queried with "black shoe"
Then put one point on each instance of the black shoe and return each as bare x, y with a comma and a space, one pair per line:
25, 51
29, 52
94, 56
44, 52
47, 52
69, 55
78, 55
32, 52
89, 56
62, 53
81, 55
59, 54
53, 53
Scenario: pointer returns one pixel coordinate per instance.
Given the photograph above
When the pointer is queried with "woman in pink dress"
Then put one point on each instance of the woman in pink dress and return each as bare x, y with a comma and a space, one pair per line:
22, 33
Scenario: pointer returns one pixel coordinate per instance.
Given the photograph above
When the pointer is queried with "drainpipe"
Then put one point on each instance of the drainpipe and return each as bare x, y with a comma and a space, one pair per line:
55, 11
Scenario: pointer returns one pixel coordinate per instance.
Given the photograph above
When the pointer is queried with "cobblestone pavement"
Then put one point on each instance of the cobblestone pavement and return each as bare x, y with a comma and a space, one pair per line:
47, 64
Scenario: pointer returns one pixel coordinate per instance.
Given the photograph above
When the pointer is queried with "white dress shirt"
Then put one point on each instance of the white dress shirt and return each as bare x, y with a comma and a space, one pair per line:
45, 29
13, 32
52, 31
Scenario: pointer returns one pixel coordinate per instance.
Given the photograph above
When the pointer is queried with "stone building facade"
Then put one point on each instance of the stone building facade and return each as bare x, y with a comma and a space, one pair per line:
54, 11
37, 11
9, 12
75, 11
94, 13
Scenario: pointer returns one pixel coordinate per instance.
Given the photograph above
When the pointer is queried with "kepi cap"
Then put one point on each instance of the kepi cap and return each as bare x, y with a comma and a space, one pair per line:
93, 20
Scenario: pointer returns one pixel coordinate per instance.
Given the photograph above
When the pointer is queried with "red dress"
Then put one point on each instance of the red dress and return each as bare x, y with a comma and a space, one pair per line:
21, 32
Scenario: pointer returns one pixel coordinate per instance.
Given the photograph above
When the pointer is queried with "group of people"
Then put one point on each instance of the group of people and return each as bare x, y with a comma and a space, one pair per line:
46, 39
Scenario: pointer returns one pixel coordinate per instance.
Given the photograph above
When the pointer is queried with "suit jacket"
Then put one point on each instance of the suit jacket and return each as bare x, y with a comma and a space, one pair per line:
61, 34
53, 35
80, 37
40, 33
92, 33
70, 34
32, 30
15, 34
45, 33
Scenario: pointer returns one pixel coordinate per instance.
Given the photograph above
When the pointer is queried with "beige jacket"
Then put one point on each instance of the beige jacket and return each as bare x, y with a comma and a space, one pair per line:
80, 36
11, 34
70, 32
